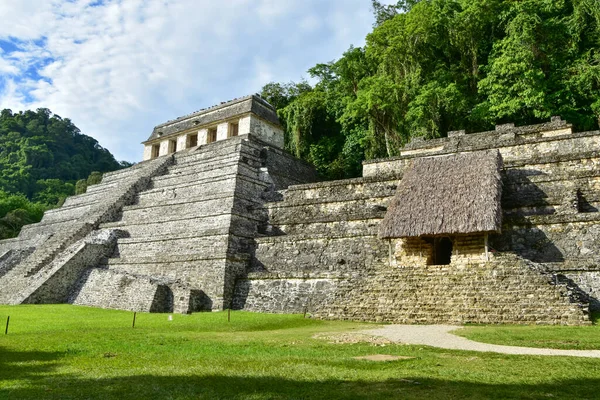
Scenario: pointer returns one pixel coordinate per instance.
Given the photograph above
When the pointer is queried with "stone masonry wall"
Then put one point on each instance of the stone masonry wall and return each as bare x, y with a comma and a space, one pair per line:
191, 231
59, 230
505, 290
550, 199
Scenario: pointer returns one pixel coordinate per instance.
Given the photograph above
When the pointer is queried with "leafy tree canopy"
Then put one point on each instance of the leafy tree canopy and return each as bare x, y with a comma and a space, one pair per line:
431, 66
41, 157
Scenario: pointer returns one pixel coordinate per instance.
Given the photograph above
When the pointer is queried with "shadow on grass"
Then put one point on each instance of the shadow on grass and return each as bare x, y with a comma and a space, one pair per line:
236, 387
27, 364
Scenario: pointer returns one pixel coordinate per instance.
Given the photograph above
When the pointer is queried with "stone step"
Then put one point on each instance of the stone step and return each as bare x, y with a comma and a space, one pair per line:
178, 201
476, 317
342, 189
206, 162
577, 168
82, 199
221, 184
201, 225
219, 172
68, 213
109, 177
101, 187
529, 220
325, 212
208, 172
210, 150
164, 246
354, 197
161, 250
293, 253
45, 229
196, 271
242, 185
189, 209
243, 155
532, 195
355, 227
181, 211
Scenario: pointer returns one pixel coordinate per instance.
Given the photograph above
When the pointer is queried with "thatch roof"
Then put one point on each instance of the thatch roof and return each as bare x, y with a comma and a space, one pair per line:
444, 195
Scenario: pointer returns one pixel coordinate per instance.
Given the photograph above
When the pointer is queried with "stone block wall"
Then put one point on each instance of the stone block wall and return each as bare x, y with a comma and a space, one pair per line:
53, 238
319, 236
505, 290
550, 200
237, 223
108, 289
194, 225
551, 196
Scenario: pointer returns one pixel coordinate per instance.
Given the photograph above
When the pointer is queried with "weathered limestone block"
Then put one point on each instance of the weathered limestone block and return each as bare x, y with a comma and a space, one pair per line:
589, 283
505, 290
288, 295
108, 289
294, 253
57, 280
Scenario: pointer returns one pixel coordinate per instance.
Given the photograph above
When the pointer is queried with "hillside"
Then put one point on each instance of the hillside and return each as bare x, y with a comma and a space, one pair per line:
42, 156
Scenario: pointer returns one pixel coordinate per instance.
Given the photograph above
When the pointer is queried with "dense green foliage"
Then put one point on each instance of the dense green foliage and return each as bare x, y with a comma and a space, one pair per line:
15, 211
41, 157
432, 66
68, 352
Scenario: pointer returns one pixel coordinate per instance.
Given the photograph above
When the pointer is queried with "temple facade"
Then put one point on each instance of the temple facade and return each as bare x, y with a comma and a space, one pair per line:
490, 227
250, 115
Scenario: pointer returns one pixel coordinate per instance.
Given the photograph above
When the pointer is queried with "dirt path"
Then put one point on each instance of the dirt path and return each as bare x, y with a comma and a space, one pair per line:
440, 336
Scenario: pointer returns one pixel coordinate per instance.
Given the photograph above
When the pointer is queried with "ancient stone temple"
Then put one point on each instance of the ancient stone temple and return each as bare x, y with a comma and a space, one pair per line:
490, 227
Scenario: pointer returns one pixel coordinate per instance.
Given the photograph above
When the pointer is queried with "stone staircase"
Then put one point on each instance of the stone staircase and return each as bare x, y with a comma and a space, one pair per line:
321, 253
63, 227
319, 235
504, 290
191, 230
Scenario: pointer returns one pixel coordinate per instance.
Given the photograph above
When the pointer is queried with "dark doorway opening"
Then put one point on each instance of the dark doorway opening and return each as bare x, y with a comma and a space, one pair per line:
442, 251
192, 140
155, 150
212, 135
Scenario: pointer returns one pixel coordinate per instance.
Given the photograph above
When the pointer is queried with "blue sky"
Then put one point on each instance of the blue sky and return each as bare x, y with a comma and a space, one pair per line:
117, 68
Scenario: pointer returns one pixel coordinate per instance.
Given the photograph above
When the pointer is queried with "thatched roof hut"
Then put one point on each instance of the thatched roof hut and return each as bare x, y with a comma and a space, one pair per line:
445, 195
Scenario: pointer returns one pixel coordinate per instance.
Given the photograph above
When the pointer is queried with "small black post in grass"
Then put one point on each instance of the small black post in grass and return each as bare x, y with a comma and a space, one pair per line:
229, 315
306, 307
7, 321
134, 314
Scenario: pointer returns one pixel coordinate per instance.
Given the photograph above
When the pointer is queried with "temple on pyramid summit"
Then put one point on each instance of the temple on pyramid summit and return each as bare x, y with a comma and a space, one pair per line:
490, 227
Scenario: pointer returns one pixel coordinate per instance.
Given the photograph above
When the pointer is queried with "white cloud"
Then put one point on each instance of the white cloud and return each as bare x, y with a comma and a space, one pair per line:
121, 67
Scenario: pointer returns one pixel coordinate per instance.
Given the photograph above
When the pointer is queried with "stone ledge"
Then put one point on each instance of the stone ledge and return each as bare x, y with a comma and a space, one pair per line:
102, 186
296, 275
553, 219
342, 182
456, 147
573, 265
207, 171
552, 159
302, 237
199, 182
183, 200
337, 218
221, 233
329, 200
133, 168
177, 258
236, 150
542, 178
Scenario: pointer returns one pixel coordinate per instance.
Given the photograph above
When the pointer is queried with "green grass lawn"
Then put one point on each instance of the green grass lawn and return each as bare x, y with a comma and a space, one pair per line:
554, 337
68, 352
